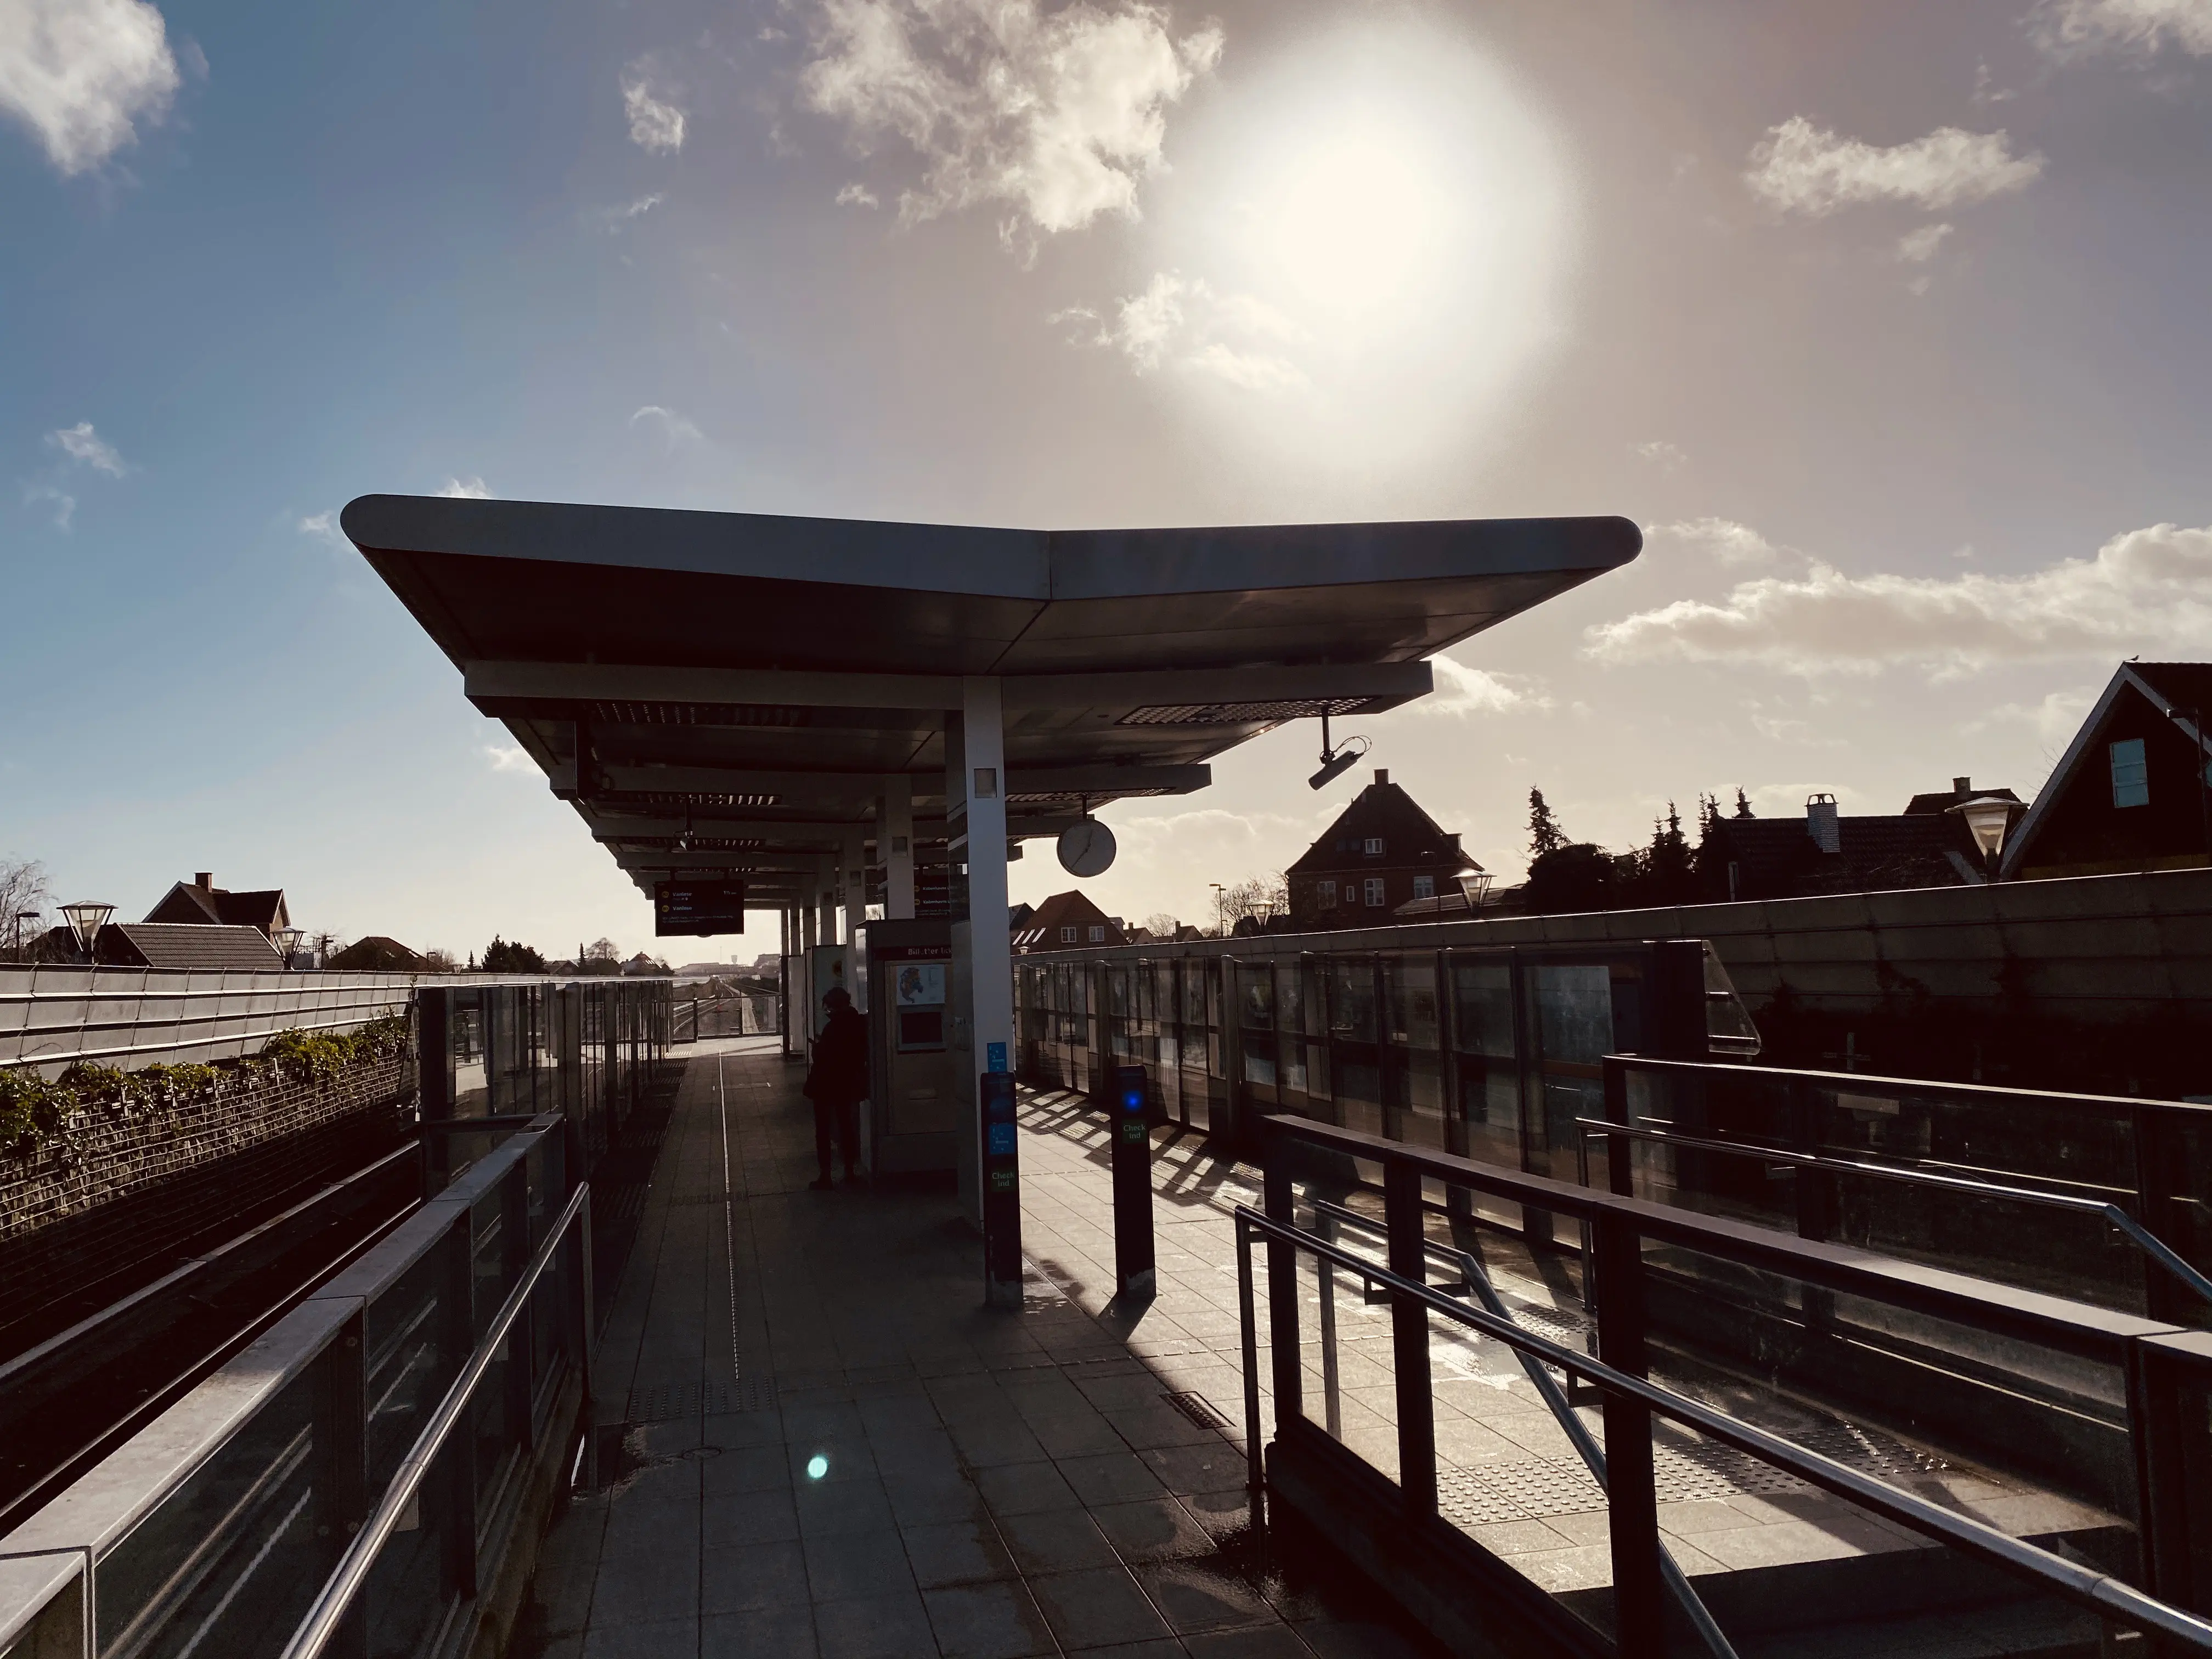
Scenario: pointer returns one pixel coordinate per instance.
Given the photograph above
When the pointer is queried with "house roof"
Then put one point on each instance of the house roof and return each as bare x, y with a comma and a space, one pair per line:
1069, 909
1942, 800
192, 944
218, 907
2178, 691
1778, 857
377, 951
1409, 835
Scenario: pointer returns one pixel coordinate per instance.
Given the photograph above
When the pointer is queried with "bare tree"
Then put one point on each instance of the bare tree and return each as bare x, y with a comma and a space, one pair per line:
1259, 898
1161, 925
325, 945
441, 961
25, 893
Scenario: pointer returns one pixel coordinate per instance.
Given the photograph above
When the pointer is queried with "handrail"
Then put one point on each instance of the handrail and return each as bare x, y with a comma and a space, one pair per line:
1854, 1082
332, 1601
2100, 1593
1479, 1285
2155, 1248
2073, 1328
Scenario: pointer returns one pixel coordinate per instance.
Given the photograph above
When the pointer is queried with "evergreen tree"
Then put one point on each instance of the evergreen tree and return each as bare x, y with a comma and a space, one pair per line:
1742, 807
1668, 873
1545, 834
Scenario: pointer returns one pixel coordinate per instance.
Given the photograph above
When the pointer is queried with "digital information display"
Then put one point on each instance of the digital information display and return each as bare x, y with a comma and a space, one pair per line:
697, 908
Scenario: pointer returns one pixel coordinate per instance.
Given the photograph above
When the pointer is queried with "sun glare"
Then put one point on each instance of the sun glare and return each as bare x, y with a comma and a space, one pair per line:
1374, 238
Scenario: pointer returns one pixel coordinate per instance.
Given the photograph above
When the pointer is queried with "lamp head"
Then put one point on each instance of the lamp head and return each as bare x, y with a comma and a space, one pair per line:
85, 918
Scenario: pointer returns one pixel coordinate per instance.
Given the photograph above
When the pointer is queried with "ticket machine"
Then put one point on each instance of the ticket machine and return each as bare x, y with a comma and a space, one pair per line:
911, 1119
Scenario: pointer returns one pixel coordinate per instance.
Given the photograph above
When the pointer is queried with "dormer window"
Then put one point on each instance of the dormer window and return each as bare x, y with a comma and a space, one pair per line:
1067, 936
1373, 847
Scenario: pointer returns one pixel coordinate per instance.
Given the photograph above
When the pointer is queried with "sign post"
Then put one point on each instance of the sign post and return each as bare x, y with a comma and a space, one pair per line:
1134, 1276
1002, 1195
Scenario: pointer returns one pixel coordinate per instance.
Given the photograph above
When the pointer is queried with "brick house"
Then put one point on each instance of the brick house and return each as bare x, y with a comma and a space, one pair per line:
200, 903
1383, 852
1065, 921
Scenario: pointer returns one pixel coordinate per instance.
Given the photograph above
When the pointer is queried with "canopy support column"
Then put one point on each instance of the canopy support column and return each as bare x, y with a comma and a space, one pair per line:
975, 813
894, 842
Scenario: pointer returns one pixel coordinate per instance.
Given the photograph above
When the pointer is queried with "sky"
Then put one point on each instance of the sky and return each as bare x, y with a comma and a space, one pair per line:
1885, 321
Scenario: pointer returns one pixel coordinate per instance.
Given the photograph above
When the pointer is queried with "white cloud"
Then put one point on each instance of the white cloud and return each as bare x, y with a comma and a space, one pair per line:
2054, 718
1799, 168
516, 759
324, 527
1918, 247
656, 124
1668, 457
2066, 28
1056, 115
81, 443
673, 427
612, 219
465, 490
1462, 691
1183, 323
857, 196
1724, 539
81, 74
2147, 589
63, 504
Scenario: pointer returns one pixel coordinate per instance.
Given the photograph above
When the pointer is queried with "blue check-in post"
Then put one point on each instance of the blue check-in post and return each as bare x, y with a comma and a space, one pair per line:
1002, 1194
1134, 1275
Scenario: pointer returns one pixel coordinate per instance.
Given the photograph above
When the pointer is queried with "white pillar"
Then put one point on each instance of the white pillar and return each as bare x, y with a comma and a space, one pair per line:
895, 841
853, 880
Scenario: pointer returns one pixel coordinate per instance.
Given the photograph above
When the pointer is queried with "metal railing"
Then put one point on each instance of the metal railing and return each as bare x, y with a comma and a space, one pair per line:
218, 1527
2156, 1250
2162, 1376
2150, 1160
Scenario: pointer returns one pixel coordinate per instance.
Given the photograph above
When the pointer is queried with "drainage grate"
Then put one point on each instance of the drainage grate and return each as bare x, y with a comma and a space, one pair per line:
1197, 1408
665, 1402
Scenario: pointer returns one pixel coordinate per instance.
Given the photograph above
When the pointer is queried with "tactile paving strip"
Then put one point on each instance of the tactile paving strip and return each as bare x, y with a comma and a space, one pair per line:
1683, 1470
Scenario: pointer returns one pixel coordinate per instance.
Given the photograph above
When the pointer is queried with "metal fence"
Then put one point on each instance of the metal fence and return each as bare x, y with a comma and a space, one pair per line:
697, 1014
1395, 1463
52, 1017
356, 1466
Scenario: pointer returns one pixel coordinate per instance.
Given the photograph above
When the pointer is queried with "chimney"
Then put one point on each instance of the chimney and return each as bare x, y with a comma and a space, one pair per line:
1821, 824
204, 880
1962, 786
1381, 776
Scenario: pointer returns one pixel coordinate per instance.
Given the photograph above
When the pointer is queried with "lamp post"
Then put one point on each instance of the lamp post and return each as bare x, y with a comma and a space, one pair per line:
287, 939
1220, 909
85, 918
1988, 818
21, 917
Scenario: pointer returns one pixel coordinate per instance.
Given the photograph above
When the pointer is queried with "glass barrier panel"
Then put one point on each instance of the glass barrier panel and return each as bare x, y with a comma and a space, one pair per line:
231, 1559
1414, 1062
409, 1593
2004, 1425
1349, 1375
409, 1369
1290, 1025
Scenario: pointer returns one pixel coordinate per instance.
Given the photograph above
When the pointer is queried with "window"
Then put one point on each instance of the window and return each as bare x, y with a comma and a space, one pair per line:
1097, 934
2130, 774
1374, 847
1326, 892
1067, 936
1374, 890
1425, 886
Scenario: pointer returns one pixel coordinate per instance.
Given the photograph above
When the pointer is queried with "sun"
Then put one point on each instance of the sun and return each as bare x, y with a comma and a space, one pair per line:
1375, 235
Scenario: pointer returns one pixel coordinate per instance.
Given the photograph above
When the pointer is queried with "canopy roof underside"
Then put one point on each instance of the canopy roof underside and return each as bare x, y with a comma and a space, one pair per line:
739, 686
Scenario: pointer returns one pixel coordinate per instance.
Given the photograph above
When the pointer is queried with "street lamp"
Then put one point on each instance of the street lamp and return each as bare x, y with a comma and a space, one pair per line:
1220, 909
85, 918
287, 939
22, 916
1476, 888
1988, 818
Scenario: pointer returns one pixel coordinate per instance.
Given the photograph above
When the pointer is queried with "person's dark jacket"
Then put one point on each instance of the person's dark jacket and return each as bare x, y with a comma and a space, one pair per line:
839, 1075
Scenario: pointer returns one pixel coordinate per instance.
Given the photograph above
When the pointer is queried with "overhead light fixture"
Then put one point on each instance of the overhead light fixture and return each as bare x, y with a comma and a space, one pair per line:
1335, 761
1988, 818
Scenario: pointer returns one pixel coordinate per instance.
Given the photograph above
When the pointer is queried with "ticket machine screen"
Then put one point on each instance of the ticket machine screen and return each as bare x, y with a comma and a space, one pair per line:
920, 998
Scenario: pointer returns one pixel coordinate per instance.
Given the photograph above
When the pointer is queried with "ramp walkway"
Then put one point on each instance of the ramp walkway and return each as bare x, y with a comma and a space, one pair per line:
813, 1439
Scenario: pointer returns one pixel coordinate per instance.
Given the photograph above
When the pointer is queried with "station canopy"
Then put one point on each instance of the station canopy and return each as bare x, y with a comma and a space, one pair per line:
728, 692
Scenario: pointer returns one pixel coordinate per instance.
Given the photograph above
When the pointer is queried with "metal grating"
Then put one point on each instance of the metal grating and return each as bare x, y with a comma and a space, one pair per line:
1197, 1408
666, 1402
700, 714
695, 844
1242, 713
1070, 797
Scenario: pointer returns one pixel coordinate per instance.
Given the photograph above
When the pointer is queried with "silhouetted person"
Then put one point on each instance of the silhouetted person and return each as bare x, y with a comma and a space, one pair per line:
837, 1082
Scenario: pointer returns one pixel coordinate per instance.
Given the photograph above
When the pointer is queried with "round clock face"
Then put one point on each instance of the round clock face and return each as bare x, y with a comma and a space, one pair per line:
1086, 848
